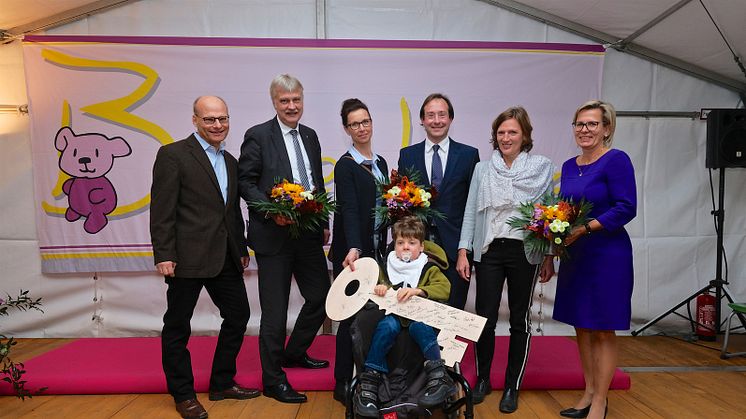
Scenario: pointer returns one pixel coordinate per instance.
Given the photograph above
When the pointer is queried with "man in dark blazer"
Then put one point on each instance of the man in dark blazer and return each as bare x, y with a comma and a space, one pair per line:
198, 240
448, 166
282, 148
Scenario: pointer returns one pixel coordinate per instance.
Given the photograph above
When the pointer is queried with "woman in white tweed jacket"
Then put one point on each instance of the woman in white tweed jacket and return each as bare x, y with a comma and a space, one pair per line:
498, 187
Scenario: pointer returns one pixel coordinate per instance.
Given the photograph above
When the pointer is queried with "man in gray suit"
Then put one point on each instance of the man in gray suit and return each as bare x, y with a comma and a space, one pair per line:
197, 232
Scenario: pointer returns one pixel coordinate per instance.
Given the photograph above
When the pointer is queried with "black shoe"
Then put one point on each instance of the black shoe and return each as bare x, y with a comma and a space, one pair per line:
340, 392
439, 386
365, 401
482, 389
305, 362
576, 413
509, 401
284, 393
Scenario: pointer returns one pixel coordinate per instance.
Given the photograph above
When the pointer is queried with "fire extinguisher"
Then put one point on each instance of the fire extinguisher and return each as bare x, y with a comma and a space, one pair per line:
706, 317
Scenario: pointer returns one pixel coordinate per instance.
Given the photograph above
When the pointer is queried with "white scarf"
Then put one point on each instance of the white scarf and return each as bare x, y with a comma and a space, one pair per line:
525, 181
405, 273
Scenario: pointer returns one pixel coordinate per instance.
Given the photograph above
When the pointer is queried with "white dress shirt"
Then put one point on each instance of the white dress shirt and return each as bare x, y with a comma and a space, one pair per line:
288, 139
429, 155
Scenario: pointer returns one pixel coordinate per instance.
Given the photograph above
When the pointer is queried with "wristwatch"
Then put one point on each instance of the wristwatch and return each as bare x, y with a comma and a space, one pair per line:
587, 228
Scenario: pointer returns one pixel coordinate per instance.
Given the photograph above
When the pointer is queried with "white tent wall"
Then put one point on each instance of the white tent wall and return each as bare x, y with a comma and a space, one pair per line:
673, 234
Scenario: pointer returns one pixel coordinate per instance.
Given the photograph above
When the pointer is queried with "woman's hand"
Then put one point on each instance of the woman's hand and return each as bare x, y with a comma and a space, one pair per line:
349, 260
575, 234
462, 265
547, 269
405, 294
380, 290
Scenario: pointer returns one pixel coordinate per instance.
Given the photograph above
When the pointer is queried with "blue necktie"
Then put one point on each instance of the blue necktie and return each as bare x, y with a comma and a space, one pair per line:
436, 171
299, 161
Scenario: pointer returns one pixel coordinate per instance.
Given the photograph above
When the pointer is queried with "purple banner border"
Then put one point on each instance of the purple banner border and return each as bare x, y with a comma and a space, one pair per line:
317, 43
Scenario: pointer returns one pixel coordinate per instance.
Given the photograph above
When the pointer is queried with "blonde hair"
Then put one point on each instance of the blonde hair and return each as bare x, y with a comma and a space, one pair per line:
608, 116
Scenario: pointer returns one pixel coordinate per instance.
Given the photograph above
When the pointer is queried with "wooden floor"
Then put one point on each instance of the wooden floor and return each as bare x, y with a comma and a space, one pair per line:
671, 378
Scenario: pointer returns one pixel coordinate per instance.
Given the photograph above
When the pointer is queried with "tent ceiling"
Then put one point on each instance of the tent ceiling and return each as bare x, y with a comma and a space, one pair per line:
677, 33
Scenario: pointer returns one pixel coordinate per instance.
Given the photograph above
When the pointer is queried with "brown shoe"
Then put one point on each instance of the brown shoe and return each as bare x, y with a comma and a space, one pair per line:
235, 392
191, 409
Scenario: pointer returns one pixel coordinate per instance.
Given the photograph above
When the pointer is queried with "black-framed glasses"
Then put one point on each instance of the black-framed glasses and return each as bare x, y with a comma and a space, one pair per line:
210, 120
365, 123
591, 125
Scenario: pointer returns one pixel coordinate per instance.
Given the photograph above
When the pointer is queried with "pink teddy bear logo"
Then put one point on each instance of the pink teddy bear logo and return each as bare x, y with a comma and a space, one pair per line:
87, 158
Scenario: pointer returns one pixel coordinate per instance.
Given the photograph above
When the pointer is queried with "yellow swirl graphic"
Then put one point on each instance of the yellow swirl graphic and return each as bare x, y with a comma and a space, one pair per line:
115, 111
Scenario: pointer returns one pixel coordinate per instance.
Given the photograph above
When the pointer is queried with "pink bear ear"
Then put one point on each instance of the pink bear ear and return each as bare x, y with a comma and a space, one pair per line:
63, 138
119, 147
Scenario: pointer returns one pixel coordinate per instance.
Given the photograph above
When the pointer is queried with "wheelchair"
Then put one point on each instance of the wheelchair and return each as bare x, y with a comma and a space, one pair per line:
399, 390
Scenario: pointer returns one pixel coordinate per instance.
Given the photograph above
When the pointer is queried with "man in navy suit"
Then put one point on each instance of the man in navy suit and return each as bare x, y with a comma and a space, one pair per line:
282, 148
447, 165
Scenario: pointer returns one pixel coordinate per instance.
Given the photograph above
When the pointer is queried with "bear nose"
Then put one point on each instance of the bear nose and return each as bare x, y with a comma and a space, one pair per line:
84, 160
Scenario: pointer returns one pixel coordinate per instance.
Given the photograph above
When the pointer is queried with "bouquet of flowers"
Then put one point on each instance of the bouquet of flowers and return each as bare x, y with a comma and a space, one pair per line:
549, 222
402, 196
308, 210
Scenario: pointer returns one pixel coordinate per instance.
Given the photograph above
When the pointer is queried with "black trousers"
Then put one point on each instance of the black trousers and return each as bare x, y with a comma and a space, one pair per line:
304, 259
228, 293
505, 259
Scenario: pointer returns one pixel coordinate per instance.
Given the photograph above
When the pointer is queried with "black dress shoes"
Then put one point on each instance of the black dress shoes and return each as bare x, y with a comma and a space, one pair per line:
305, 362
284, 393
235, 392
576, 413
482, 389
509, 401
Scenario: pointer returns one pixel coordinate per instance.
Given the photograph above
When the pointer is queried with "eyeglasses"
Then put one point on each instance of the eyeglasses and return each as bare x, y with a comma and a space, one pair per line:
430, 116
210, 120
503, 134
591, 125
365, 123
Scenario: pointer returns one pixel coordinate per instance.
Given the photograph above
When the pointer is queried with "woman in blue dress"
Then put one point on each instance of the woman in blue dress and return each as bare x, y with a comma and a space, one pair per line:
594, 288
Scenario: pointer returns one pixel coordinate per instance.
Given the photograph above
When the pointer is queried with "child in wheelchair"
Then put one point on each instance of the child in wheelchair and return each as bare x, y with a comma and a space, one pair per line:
414, 267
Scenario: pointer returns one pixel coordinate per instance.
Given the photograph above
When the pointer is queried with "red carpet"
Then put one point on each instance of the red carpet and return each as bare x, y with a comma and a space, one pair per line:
133, 365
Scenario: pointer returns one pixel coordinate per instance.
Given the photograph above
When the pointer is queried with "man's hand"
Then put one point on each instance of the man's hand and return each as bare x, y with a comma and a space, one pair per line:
350, 259
166, 268
245, 261
405, 294
282, 221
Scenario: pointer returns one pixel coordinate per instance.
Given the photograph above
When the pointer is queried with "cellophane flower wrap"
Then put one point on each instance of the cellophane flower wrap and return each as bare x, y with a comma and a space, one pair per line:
308, 210
402, 196
547, 223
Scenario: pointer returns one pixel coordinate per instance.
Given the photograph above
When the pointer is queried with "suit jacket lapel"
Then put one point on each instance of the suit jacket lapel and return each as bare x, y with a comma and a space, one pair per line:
204, 162
232, 171
310, 152
452, 163
419, 163
278, 141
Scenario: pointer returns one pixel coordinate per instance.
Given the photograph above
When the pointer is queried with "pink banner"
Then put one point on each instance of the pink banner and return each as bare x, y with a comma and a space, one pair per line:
115, 100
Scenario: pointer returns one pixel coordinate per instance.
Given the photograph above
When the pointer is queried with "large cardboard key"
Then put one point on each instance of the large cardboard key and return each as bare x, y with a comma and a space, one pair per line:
352, 289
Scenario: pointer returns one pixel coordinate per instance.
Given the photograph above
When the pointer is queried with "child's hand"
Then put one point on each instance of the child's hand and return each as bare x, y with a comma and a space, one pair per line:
380, 290
405, 294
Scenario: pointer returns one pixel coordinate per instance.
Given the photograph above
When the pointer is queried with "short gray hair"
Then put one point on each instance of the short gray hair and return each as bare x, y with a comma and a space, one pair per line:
284, 82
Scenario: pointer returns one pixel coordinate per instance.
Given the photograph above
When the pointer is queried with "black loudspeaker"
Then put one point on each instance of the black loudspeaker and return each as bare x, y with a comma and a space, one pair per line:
726, 138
